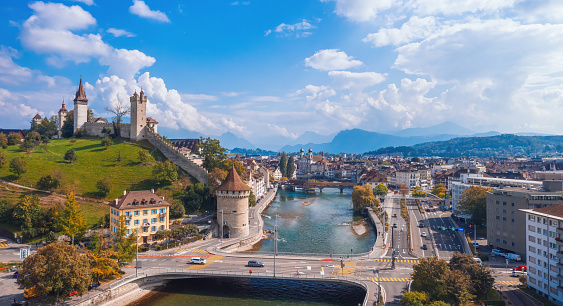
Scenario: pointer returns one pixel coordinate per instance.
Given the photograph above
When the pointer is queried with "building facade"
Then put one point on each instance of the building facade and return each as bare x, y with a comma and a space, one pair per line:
63, 113
80, 108
143, 211
138, 116
544, 236
232, 206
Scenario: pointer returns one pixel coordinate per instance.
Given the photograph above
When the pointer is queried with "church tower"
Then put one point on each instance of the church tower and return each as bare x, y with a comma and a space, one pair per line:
62, 118
232, 206
138, 115
80, 108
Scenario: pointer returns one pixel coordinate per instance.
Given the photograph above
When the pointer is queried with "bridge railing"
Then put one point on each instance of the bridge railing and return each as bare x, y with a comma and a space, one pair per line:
292, 254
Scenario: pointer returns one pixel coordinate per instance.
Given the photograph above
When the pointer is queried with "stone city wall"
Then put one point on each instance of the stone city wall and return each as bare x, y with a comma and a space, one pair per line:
177, 158
95, 129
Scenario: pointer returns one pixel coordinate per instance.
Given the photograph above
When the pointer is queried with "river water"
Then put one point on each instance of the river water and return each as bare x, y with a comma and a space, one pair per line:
307, 223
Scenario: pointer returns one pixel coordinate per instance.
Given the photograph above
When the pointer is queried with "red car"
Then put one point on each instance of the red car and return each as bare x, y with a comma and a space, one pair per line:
522, 268
394, 215
75, 292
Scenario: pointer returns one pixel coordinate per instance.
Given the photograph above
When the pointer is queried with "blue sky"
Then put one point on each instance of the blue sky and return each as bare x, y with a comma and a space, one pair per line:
270, 70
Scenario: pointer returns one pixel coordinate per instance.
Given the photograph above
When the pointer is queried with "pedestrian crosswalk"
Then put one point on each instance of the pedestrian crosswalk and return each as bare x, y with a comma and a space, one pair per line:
187, 250
389, 279
3, 245
398, 260
507, 283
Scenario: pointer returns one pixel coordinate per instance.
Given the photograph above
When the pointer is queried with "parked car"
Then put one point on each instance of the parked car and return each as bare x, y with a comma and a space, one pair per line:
477, 259
16, 274
496, 252
423, 234
517, 273
424, 247
512, 256
394, 225
520, 268
254, 263
475, 244
198, 261
394, 215
420, 225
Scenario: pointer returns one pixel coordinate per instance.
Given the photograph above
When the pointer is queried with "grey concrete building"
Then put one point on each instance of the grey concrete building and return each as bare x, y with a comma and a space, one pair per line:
506, 224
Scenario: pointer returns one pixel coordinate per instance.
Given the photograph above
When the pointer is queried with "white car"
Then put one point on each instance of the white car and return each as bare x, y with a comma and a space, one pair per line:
198, 261
423, 234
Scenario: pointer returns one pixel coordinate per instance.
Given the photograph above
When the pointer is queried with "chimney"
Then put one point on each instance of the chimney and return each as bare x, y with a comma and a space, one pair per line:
163, 198
124, 191
116, 201
152, 190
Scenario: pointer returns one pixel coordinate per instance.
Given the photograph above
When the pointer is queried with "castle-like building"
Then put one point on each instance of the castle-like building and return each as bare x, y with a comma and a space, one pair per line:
232, 206
136, 130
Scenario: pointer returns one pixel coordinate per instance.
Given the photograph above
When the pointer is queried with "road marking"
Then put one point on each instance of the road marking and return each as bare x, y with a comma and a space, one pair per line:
508, 283
3, 245
215, 258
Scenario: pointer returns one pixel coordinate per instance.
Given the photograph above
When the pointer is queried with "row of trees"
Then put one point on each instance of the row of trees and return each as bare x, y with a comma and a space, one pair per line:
9, 140
362, 197
439, 190
456, 283
287, 166
177, 233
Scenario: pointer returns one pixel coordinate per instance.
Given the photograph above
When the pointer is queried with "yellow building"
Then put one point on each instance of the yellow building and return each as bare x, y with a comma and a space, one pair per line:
143, 210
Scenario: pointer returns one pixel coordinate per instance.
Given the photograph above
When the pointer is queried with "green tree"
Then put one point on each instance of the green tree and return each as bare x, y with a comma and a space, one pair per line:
67, 130
71, 220
102, 263
18, 166
165, 172
106, 142
6, 211
57, 270
439, 191
48, 182
212, 152
414, 298
27, 209
143, 156
3, 159
480, 277
283, 164
228, 164
381, 189
27, 146
429, 276
104, 186
124, 246
70, 155
362, 196
198, 197
33, 137
251, 199
473, 202
48, 127
290, 167
14, 139
3, 141
457, 288
177, 210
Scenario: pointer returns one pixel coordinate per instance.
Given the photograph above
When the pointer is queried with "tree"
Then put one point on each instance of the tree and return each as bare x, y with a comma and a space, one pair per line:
102, 263
228, 164
48, 127
119, 109
18, 166
177, 210
362, 197
290, 167
27, 146
414, 298
106, 142
3, 141
251, 199
27, 209
198, 197
124, 246
70, 155
212, 152
215, 177
457, 288
104, 186
283, 164
71, 220
381, 189
165, 172
439, 191
3, 159
429, 276
57, 270
480, 277
14, 138
89, 115
473, 202
143, 155
48, 182
67, 130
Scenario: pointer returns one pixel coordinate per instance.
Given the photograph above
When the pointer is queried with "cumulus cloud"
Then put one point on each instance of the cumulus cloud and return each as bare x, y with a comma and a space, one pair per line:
87, 2
240, 3
331, 59
300, 29
313, 92
10, 72
360, 10
456, 7
282, 131
141, 9
119, 32
347, 79
414, 28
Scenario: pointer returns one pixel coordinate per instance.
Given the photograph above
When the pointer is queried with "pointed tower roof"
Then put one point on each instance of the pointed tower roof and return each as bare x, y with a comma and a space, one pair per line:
37, 117
233, 182
63, 108
80, 95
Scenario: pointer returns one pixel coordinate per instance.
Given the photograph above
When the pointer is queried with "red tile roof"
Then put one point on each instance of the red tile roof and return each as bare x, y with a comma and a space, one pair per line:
80, 94
139, 199
233, 183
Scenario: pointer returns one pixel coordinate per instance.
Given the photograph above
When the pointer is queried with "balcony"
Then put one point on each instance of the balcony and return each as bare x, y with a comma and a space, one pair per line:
559, 230
127, 217
146, 224
162, 215
560, 265
560, 277
559, 255
559, 241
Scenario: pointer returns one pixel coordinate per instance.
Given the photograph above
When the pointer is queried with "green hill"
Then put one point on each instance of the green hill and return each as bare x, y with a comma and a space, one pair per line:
94, 163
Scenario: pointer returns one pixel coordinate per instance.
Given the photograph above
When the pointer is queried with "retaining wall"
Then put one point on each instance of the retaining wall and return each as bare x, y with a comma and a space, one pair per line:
95, 129
176, 157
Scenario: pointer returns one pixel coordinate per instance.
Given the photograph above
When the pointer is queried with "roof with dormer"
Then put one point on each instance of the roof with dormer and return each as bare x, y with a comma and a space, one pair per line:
151, 120
37, 117
233, 182
139, 199
80, 94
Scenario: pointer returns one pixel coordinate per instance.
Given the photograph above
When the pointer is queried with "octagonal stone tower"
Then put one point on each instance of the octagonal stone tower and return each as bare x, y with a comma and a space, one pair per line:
232, 206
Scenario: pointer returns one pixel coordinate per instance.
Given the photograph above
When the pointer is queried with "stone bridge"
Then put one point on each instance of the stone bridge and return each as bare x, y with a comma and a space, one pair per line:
308, 186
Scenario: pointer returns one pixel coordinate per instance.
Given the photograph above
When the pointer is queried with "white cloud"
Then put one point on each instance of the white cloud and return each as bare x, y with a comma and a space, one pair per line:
56, 16
240, 3
141, 9
10, 72
282, 131
265, 99
126, 63
119, 32
199, 97
331, 59
299, 29
458, 7
231, 125
361, 10
414, 28
231, 94
360, 80
87, 2
313, 92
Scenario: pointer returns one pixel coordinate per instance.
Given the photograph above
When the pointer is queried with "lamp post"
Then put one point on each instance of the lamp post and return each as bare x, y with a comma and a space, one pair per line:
378, 286
137, 253
222, 227
275, 244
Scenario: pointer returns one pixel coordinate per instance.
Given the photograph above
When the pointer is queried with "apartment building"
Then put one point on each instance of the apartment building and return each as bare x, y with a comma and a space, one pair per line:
143, 211
504, 215
544, 245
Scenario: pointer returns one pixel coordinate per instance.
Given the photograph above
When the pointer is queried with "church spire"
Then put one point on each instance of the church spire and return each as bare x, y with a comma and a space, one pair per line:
80, 94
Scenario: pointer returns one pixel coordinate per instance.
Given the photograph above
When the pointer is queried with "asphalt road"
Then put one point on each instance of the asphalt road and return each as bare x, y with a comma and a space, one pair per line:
446, 242
418, 240
397, 236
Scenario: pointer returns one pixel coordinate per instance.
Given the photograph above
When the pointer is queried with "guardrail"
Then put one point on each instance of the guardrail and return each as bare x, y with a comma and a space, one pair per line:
323, 255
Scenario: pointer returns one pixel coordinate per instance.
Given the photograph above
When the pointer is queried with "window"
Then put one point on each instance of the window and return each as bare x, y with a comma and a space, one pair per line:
512, 220
136, 222
136, 212
497, 217
504, 203
532, 238
128, 232
145, 221
162, 219
503, 218
498, 202
127, 223
145, 212
512, 204
162, 227
504, 211
498, 210
531, 228
154, 211
504, 242
145, 229
531, 218
153, 229
153, 220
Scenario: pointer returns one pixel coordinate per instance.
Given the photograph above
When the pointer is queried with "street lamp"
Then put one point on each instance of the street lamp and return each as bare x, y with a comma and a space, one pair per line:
378, 285
275, 244
137, 253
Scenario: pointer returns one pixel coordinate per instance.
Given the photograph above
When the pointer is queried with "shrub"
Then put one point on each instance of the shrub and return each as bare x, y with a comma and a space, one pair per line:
106, 142
104, 186
70, 155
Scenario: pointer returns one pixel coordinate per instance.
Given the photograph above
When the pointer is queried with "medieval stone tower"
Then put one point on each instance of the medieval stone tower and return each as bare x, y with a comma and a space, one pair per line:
80, 108
138, 115
62, 118
232, 206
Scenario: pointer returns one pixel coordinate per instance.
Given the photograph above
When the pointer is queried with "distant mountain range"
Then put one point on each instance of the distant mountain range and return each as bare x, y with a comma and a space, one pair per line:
447, 127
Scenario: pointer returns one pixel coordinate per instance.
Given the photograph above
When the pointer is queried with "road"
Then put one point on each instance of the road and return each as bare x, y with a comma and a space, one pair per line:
417, 218
397, 238
447, 242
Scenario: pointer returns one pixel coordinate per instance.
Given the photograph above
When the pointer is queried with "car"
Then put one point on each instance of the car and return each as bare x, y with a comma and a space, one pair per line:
254, 263
512, 256
443, 228
420, 225
394, 225
518, 273
394, 215
451, 228
75, 292
198, 261
424, 247
475, 244
16, 274
495, 252
423, 234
